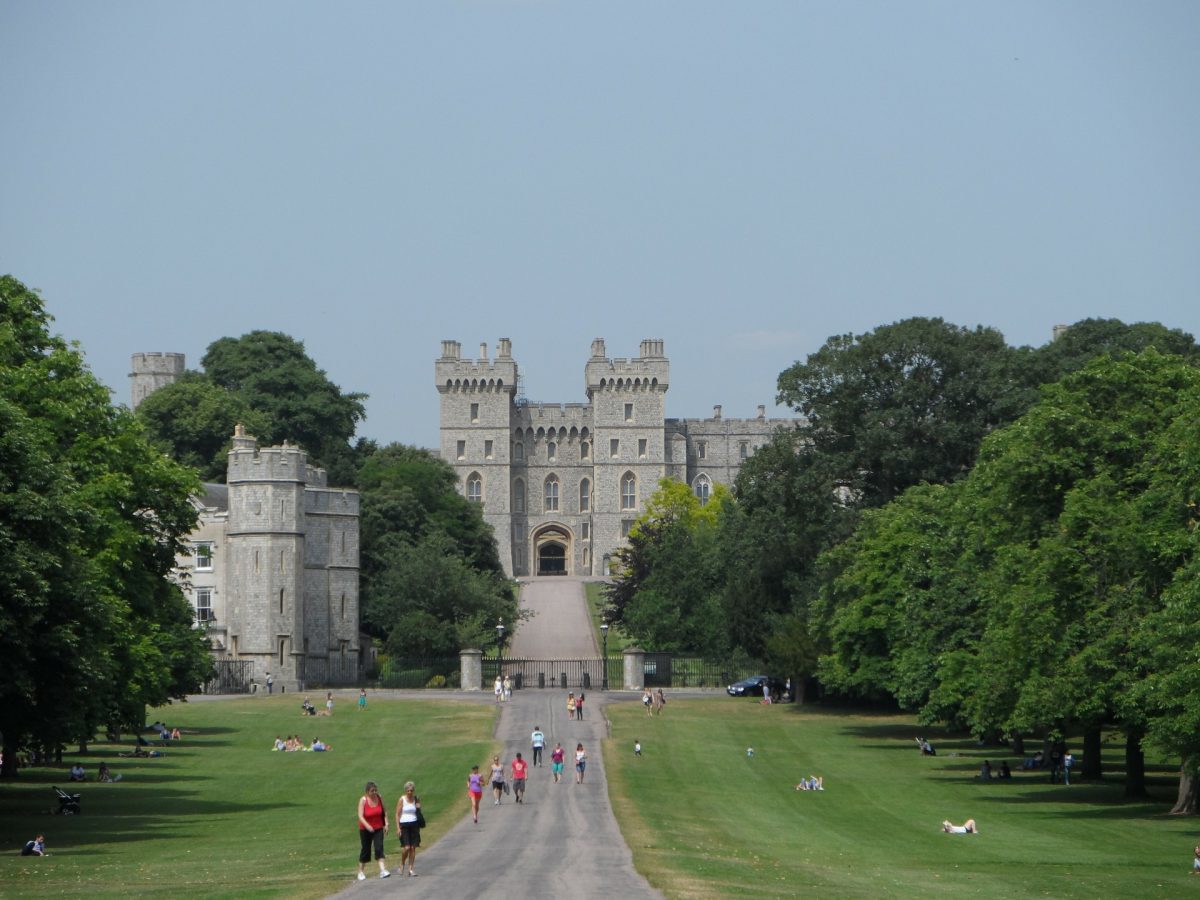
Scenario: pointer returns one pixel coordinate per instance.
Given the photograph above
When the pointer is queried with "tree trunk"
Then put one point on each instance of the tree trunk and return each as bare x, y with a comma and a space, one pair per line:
1092, 764
9, 769
1135, 766
1018, 743
1186, 802
83, 748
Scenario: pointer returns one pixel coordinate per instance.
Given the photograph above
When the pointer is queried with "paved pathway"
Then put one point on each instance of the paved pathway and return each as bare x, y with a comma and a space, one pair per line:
563, 841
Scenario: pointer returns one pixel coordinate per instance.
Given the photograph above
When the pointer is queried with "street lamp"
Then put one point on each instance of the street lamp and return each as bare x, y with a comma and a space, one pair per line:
604, 653
500, 646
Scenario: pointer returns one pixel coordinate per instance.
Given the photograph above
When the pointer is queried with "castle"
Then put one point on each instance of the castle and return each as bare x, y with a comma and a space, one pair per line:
273, 570
561, 484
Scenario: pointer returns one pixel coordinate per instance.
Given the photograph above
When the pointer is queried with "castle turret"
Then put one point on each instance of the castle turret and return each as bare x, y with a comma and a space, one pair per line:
152, 371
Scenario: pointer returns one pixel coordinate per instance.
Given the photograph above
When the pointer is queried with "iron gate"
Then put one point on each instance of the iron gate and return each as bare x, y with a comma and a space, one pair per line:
564, 674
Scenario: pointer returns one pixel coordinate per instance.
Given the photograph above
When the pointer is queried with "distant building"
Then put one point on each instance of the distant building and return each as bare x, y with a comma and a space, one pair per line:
273, 574
562, 483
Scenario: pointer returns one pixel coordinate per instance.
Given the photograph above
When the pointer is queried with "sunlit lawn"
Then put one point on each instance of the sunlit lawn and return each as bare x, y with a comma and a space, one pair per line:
220, 814
705, 820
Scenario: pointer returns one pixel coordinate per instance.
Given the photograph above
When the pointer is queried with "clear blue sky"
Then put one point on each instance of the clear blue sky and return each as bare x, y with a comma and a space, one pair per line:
742, 180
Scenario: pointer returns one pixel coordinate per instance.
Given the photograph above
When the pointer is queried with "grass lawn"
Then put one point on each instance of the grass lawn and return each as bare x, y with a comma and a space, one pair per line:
704, 820
221, 814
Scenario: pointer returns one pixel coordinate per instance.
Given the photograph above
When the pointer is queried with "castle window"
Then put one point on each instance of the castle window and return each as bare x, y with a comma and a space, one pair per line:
343, 605
641, 448
743, 449
204, 557
614, 447
585, 450
585, 531
475, 412
281, 602
552, 451
587, 558
626, 527
282, 557
629, 491
628, 412
703, 488
282, 651
343, 542
585, 496
256, 554
551, 496
487, 449
204, 611
461, 450
518, 450
519, 495
701, 450
475, 488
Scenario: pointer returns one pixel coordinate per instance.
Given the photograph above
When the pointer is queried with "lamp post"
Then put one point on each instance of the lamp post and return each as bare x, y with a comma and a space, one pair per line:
500, 647
604, 653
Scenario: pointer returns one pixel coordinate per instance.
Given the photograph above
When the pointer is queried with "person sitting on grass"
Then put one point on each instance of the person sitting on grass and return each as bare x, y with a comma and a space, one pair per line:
812, 783
1005, 771
106, 776
318, 746
175, 735
279, 744
967, 827
77, 773
985, 771
36, 847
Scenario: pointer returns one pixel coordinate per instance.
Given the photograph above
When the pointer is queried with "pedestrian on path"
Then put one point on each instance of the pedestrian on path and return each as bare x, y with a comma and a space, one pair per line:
507, 688
475, 791
372, 828
408, 810
539, 742
556, 760
580, 763
519, 767
498, 688
497, 779
579, 707
571, 705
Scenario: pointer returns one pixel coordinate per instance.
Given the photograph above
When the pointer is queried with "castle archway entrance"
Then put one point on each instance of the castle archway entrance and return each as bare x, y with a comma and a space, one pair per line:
551, 549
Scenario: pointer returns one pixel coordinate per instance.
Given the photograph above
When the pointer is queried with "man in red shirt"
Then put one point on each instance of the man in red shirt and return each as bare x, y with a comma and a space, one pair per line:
518, 778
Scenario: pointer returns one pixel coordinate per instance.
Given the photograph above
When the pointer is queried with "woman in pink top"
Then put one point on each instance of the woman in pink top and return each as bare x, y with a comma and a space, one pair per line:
475, 791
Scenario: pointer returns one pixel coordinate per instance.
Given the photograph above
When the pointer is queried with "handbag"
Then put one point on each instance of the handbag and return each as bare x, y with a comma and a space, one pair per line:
420, 818
506, 788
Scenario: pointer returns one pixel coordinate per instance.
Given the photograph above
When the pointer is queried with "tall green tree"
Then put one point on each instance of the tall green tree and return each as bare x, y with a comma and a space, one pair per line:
91, 516
432, 581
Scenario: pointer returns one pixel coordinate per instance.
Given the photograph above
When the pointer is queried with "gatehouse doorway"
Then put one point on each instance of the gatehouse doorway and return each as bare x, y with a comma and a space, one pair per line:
551, 548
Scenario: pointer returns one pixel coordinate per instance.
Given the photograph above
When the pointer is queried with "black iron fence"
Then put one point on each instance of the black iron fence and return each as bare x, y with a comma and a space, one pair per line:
321, 671
232, 676
564, 674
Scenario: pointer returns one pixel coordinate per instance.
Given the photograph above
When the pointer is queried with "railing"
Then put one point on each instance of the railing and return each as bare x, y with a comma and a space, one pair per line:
232, 676
320, 671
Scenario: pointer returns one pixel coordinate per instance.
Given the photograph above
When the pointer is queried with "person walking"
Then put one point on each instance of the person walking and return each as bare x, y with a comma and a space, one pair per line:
579, 707
507, 688
362, 699
519, 768
660, 701
270, 684
557, 755
1068, 761
648, 701
498, 688
539, 743
475, 791
580, 763
372, 828
329, 704
408, 820
497, 779
571, 705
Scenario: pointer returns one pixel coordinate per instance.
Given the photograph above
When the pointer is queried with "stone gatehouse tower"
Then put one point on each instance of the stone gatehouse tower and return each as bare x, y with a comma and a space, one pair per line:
562, 483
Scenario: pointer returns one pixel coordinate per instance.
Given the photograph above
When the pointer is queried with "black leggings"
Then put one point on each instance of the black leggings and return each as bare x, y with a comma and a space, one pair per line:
368, 838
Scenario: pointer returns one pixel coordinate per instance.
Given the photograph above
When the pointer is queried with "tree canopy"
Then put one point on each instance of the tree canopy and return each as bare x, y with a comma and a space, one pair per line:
92, 628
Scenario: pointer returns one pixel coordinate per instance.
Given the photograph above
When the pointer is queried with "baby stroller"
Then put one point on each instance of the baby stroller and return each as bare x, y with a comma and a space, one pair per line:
68, 804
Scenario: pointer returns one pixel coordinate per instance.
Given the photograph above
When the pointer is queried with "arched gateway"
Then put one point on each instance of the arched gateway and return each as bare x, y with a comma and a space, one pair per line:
552, 550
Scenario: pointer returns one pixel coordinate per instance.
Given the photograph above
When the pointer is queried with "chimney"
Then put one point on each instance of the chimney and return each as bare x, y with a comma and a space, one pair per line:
716, 410
483, 350
762, 411
505, 351
598, 348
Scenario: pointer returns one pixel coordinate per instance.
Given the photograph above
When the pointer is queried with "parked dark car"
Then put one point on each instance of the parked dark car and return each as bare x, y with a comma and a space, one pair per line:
753, 686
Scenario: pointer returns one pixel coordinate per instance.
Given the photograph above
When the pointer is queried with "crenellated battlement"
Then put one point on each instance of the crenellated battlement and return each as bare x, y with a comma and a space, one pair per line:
650, 371
151, 371
249, 462
455, 374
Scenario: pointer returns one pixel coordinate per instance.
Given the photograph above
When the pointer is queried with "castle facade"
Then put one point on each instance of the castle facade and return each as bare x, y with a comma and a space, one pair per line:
561, 484
274, 562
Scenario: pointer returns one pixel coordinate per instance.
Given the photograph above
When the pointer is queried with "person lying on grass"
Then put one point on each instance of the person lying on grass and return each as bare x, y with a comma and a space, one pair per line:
812, 783
967, 827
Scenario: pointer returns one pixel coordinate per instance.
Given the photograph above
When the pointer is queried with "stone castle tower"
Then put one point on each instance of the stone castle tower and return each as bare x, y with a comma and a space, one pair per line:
152, 371
562, 483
